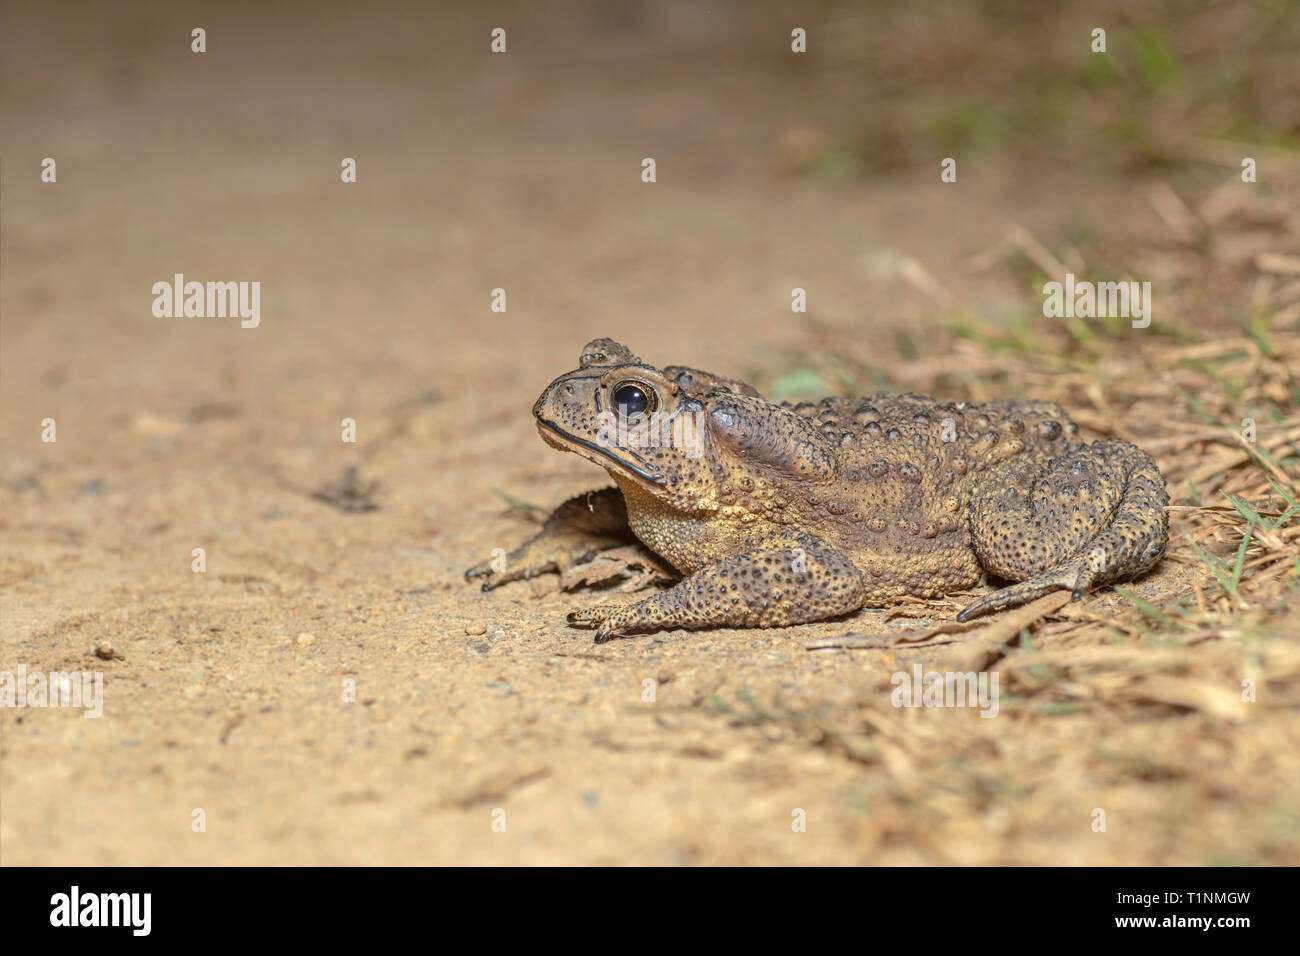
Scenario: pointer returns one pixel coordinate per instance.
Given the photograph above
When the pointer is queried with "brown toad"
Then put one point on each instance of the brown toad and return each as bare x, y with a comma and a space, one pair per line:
780, 514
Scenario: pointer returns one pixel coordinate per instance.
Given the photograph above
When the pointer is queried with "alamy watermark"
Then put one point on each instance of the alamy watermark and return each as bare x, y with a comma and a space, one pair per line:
1098, 300
77, 689
948, 689
130, 910
213, 300
682, 431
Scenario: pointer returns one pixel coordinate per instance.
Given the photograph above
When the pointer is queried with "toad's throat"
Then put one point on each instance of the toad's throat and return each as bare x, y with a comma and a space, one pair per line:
602, 455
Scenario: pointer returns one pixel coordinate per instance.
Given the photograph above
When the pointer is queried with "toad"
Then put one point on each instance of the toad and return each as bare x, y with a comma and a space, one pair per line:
779, 514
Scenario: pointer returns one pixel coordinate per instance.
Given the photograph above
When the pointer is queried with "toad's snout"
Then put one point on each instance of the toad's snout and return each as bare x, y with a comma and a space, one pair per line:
570, 401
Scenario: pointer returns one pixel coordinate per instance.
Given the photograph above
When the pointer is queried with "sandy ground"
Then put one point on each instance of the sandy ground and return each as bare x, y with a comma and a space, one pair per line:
475, 172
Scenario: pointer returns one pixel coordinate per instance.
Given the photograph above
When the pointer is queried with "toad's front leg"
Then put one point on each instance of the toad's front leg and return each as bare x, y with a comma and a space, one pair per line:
575, 532
791, 581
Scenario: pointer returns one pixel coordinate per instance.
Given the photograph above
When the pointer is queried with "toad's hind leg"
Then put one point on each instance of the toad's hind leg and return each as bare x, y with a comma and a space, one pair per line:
1092, 515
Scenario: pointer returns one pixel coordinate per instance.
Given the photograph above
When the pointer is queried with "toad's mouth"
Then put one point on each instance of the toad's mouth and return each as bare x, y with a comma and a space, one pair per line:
603, 455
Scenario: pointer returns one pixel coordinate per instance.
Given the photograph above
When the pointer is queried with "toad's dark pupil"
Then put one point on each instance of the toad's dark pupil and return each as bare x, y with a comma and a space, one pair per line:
631, 399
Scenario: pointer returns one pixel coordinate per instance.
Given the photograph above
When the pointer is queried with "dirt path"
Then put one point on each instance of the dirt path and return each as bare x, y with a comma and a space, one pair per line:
474, 172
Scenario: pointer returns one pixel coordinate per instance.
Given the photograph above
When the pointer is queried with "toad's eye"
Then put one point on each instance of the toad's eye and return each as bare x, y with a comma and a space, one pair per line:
632, 398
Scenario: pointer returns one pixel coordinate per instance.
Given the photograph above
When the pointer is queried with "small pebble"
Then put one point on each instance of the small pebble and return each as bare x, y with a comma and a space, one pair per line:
105, 652
475, 629
304, 638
